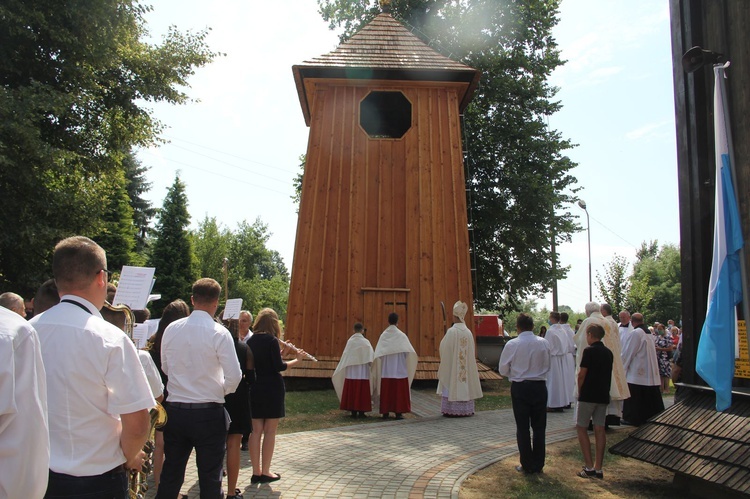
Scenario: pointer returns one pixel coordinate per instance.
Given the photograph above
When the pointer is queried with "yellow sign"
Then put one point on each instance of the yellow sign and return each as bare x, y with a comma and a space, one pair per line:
742, 364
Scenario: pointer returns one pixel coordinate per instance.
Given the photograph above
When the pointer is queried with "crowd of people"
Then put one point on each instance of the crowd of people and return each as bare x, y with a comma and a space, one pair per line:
79, 401
611, 373
80, 405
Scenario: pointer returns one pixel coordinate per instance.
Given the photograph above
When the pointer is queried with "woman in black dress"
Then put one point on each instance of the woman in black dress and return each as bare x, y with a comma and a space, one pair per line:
267, 392
175, 310
237, 405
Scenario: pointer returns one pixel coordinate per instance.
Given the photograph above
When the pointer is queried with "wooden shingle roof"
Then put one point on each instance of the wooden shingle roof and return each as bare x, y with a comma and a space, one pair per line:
386, 43
384, 50
692, 438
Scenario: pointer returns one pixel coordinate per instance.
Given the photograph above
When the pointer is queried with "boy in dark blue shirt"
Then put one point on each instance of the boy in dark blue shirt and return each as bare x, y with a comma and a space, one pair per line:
594, 379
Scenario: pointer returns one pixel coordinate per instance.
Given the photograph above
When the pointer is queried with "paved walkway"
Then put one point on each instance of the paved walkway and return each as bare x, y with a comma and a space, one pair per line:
413, 458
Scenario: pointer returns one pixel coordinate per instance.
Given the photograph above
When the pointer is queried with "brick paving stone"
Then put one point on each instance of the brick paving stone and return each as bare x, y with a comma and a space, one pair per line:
428, 456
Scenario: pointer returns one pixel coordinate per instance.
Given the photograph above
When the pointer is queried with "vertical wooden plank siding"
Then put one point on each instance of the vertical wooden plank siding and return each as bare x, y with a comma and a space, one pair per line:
382, 223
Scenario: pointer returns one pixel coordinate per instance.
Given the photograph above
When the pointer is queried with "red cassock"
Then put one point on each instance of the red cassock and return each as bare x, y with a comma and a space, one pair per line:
356, 395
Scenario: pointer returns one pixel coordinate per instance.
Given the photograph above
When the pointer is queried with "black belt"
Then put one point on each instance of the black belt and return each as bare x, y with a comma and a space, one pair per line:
190, 405
114, 471
531, 381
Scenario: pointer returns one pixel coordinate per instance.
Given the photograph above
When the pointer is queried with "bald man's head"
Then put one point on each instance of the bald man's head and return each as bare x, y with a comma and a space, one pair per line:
636, 319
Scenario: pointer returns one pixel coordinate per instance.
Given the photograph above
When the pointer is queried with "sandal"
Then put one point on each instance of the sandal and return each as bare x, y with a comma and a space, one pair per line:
584, 473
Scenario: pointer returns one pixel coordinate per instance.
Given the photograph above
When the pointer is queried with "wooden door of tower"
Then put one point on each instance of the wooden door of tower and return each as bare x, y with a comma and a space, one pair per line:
378, 303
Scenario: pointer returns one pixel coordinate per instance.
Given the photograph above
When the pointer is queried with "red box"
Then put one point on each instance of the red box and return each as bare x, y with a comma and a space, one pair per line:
487, 325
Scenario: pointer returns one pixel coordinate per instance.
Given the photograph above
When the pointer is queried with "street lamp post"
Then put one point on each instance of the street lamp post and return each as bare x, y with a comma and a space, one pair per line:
582, 204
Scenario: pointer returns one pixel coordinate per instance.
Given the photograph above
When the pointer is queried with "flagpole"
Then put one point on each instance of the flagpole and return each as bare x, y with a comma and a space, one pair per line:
743, 264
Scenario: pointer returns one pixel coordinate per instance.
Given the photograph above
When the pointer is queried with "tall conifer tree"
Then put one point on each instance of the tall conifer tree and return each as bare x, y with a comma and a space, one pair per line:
172, 251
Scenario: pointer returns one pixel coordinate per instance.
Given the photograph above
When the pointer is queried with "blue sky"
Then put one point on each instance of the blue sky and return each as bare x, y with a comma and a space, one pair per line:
237, 148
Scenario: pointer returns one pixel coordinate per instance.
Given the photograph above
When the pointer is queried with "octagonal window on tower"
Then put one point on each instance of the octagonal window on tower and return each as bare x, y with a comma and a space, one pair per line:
385, 115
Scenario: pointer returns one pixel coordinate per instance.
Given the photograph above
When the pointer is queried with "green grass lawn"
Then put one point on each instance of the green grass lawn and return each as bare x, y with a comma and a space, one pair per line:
317, 409
496, 395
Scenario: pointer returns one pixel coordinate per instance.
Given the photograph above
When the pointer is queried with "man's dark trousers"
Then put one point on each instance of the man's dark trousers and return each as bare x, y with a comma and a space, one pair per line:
530, 410
202, 429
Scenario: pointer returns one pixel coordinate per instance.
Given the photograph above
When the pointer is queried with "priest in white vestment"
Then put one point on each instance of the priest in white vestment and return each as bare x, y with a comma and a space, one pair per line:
642, 371
593, 311
611, 340
560, 378
458, 376
394, 368
351, 379
570, 359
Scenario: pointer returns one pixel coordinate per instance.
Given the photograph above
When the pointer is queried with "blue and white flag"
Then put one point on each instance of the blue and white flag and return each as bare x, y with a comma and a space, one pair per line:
716, 350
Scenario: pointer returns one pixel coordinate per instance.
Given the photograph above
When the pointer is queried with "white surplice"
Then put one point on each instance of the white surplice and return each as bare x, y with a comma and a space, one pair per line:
560, 379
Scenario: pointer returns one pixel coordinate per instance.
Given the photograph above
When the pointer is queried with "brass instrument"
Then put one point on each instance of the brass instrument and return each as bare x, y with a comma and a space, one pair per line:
137, 486
119, 315
122, 317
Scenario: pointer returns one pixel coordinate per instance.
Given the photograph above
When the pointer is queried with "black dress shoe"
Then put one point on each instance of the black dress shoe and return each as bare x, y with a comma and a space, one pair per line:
243, 447
399, 415
255, 478
269, 479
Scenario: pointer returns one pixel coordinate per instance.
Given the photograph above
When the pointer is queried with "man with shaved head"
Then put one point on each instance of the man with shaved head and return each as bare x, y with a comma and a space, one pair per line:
13, 302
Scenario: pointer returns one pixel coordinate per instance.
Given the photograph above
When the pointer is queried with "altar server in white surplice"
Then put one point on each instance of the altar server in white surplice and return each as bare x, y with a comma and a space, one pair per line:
561, 376
352, 377
458, 376
571, 358
621, 391
395, 365
625, 328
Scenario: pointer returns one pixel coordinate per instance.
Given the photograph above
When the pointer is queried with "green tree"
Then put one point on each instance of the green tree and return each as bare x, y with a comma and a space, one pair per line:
211, 242
143, 211
297, 180
254, 273
614, 285
75, 82
656, 289
117, 232
172, 250
519, 179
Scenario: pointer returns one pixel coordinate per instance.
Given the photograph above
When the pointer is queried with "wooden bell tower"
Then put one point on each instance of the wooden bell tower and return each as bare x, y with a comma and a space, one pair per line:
382, 221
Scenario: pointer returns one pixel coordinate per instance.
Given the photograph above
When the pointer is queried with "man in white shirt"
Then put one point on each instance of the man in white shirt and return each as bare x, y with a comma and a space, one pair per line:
395, 365
245, 323
24, 437
199, 358
97, 392
525, 361
642, 371
13, 302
